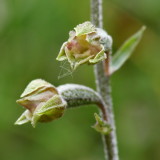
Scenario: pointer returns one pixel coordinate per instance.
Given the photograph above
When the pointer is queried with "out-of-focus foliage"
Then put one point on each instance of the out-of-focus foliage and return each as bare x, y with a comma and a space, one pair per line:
31, 33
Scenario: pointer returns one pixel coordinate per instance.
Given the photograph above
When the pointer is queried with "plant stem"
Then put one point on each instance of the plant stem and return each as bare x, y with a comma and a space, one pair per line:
76, 95
103, 87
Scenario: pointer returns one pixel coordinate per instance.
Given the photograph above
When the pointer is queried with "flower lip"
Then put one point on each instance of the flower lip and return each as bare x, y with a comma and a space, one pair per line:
80, 45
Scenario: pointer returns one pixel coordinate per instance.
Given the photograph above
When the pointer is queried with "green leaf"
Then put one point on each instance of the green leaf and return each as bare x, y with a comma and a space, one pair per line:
126, 50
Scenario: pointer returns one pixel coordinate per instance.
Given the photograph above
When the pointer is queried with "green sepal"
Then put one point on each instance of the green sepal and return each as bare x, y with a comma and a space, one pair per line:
125, 51
62, 56
84, 28
34, 86
24, 118
51, 110
101, 126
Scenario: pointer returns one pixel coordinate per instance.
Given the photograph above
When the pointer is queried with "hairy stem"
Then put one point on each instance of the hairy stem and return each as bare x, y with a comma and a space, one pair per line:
77, 95
103, 87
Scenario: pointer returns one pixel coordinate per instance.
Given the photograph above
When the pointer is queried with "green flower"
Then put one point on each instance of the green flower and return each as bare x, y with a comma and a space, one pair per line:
86, 44
42, 102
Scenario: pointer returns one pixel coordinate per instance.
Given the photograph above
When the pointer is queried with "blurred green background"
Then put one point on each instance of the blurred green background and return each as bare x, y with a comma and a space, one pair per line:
31, 33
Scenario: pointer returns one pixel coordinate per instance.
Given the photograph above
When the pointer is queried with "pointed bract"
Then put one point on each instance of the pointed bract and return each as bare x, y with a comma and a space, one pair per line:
125, 51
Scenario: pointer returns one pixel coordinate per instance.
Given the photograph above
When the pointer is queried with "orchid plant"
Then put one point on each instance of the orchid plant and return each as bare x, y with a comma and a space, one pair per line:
88, 43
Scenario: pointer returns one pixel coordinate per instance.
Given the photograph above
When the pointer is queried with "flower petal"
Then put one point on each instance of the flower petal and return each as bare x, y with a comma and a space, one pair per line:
99, 57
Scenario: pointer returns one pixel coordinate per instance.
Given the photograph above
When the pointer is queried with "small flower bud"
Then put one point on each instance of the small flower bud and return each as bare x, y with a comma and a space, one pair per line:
42, 102
86, 44
101, 125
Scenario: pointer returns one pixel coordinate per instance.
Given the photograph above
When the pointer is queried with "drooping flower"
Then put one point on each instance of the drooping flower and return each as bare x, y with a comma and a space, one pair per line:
42, 102
86, 44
